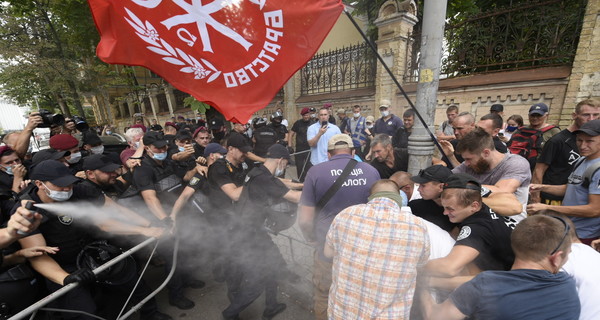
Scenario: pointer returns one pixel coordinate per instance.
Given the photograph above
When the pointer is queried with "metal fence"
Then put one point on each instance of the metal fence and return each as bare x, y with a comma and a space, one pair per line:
522, 36
339, 70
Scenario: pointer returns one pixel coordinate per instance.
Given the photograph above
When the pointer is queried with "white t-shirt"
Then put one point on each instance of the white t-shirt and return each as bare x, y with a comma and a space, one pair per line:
440, 241
582, 265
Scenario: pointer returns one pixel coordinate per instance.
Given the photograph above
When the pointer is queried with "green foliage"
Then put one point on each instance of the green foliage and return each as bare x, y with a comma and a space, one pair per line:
197, 106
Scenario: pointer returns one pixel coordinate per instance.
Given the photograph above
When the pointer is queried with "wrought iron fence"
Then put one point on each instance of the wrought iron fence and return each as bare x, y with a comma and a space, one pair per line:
525, 35
338, 70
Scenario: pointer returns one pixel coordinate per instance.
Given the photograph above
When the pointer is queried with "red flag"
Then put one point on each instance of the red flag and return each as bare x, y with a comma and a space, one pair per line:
233, 54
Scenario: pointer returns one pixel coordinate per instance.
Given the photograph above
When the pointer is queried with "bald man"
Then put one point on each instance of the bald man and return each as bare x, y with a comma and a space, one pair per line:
404, 182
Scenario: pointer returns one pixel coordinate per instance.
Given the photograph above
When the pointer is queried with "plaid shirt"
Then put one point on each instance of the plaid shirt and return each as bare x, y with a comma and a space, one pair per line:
378, 249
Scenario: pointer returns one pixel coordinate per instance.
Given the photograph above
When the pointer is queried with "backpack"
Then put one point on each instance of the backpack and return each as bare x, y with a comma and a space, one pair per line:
527, 142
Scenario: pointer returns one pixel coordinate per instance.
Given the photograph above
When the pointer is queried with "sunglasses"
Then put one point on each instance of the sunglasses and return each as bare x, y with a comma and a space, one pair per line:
562, 240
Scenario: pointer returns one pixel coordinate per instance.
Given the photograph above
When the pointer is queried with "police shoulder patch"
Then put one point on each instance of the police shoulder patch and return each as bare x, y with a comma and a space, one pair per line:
194, 181
465, 232
65, 219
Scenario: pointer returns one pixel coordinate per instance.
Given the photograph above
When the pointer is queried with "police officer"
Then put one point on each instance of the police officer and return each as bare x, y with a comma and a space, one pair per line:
263, 137
53, 183
159, 185
257, 257
279, 128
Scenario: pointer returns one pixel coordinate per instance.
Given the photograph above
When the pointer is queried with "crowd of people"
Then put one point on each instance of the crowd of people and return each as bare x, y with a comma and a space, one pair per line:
501, 225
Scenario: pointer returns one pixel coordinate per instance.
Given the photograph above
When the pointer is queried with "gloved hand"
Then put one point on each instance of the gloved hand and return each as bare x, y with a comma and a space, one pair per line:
83, 275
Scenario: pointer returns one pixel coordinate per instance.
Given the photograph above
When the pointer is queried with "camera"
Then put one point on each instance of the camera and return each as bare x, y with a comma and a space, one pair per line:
80, 123
50, 119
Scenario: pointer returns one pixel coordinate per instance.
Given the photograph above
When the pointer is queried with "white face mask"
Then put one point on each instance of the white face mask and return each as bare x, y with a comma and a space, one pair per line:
136, 144
385, 113
97, 150
9, 170
356, 115
58, 195
312, 115
278, 171
369, 126
74, 157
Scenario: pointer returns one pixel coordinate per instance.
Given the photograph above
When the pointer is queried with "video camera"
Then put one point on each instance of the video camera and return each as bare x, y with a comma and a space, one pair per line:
50, 119
80, 123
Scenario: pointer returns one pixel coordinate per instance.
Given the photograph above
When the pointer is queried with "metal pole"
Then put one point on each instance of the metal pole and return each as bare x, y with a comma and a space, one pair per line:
391, 74
420, 147
60, 292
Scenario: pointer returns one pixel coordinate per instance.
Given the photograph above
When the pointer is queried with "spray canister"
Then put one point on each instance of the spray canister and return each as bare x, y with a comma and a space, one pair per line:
28, 206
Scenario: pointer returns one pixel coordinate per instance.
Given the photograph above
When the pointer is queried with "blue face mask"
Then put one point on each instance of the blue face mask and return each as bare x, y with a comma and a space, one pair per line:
511, 128
181, 149
160, 156
9, 170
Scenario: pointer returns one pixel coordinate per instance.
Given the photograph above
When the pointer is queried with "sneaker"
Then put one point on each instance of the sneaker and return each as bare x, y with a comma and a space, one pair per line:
181, 302
270, 313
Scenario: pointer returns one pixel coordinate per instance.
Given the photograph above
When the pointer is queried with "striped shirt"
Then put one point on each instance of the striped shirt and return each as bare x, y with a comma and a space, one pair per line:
377, 250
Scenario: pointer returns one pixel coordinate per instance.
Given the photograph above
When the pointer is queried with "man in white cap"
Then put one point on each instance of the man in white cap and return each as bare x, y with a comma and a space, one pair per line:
389, 123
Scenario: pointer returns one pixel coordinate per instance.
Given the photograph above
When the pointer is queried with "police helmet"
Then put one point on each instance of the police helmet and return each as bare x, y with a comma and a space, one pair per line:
277, 115
258, 122
98, 253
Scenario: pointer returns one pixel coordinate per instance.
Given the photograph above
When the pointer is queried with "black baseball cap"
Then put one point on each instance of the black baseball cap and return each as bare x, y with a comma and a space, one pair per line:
99, 162
91, 138
278, 151
437, 173
154, 138
238, 141
462, 181
48, 154
55, 172
214, 148
591, 128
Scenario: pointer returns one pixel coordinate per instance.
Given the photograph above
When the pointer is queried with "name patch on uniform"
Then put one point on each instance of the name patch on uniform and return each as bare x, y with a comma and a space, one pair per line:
65, 219
465, 232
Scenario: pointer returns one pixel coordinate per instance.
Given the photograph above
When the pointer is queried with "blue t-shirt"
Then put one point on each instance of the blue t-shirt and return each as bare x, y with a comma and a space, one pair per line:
318, 154
577, 195
389, 126
355, 190
518, 294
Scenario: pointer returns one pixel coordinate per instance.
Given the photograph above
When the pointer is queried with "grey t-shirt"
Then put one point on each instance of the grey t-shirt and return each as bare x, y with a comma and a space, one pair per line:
578, 195
513, 166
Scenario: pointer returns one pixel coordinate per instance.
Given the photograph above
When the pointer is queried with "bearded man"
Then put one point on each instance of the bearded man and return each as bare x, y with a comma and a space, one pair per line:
499, 172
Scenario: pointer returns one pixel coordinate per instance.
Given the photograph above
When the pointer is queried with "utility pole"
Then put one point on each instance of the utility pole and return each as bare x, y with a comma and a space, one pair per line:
420, 146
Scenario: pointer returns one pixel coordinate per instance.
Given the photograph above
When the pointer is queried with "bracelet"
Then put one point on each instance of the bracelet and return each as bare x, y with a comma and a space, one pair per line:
135, 158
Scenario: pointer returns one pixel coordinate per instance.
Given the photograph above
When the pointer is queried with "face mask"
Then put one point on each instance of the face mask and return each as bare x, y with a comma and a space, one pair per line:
369, 126
58, 195
9, 170
278, 171
385, 113
109, 132
511, 128
313, 115
356, 115
74, 157
97, 150
136, 144
160, 156
181, 149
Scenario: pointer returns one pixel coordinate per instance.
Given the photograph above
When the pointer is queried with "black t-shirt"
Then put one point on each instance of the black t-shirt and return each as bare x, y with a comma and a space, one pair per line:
400, 164
220, 173
499, 145
400, 138
559, 153
488, 233
198, 150
198, 182
432, 212
300, 127
6, 180
262, 190
89, 191
280, 129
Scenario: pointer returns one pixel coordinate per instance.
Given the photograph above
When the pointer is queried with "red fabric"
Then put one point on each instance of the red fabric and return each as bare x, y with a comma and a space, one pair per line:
63, 142
236, 60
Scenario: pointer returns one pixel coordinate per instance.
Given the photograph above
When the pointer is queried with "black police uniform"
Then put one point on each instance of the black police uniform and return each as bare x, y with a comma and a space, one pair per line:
258, 259
432, 212
265, 137
280, 130
300, 127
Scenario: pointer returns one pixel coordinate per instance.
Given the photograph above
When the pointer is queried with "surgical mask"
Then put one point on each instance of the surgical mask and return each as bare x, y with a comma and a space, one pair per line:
181, 149
511, 128
9, 170
356, 115
160, 156
58, 195
312, 115
97, 150
278, 171
369, 126
74, 157
136, 144
385, 113
109, 132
